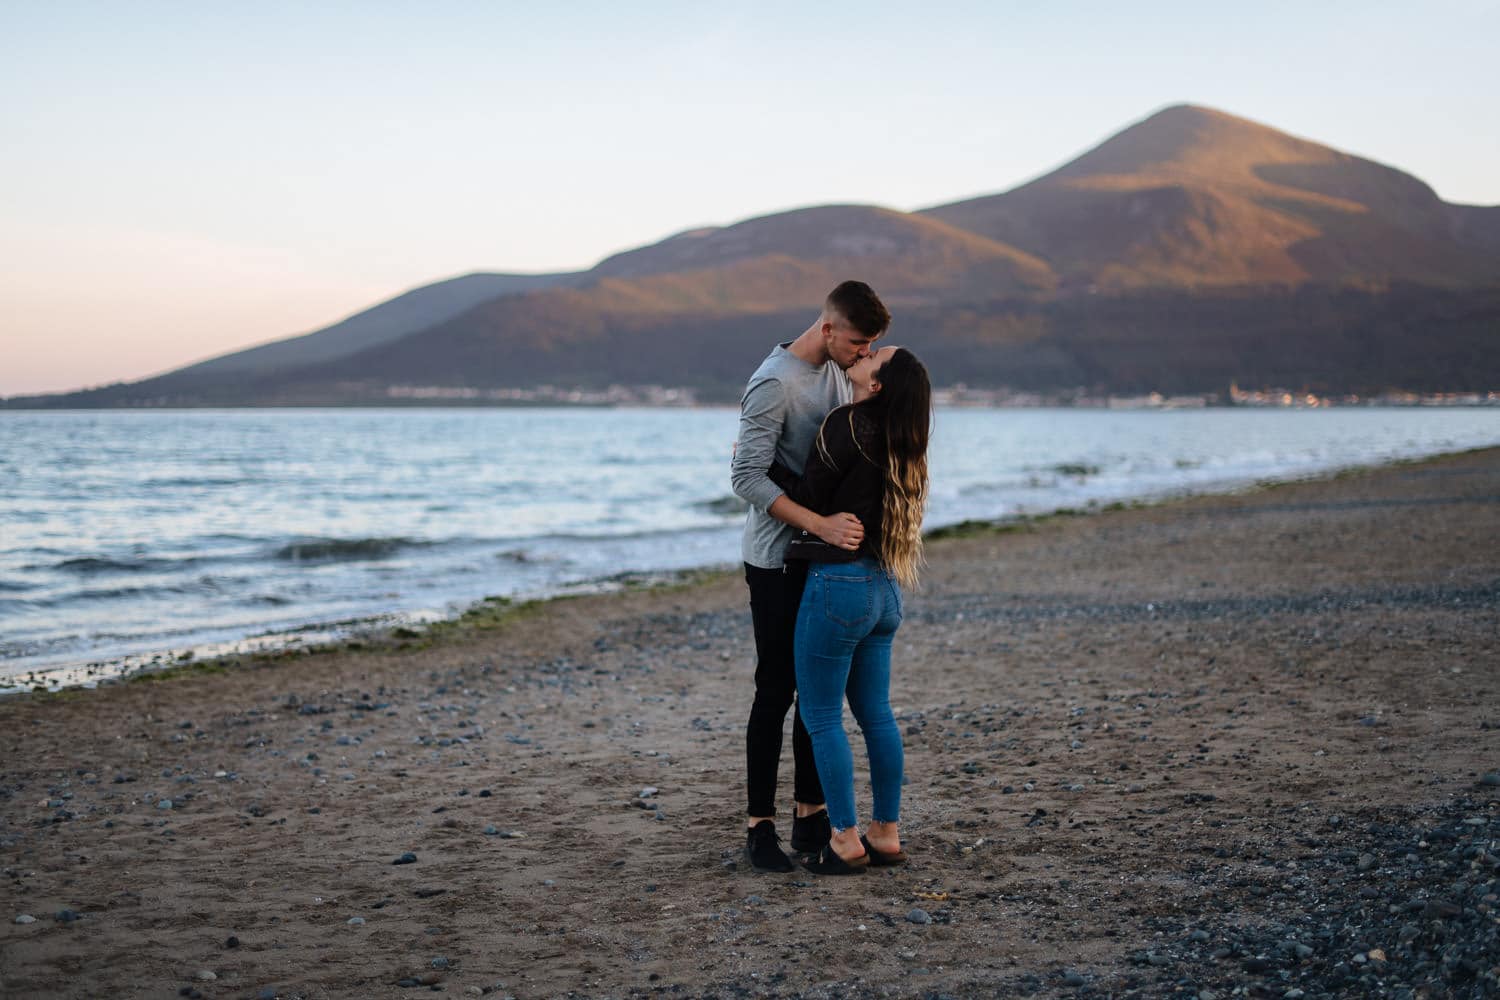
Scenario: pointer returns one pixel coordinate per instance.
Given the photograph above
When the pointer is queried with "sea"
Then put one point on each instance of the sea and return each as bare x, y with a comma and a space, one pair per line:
131, 538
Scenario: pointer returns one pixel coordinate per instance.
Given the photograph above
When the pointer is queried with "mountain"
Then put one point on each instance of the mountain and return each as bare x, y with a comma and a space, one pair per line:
1193, 197
905, 256
407, 313
1192, 249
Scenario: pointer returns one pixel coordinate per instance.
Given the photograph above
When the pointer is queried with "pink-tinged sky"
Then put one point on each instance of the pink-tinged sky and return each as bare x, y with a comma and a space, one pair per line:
182, 180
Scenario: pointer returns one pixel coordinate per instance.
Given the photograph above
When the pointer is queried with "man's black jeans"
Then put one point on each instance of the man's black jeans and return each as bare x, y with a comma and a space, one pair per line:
775, 596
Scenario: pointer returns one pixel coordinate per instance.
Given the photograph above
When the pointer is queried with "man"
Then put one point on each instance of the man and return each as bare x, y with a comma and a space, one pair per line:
783, 407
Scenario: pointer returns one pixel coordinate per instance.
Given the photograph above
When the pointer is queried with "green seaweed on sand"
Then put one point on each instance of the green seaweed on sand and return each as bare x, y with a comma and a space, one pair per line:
190, 668
1024, 522
46, 694
976, 528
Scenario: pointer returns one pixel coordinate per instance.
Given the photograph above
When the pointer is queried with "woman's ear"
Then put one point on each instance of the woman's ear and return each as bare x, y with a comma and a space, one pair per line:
874, 385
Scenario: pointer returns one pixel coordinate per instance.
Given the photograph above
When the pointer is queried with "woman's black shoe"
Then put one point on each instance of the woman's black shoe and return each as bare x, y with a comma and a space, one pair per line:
828, 862
882, 859
810, 834
763, 849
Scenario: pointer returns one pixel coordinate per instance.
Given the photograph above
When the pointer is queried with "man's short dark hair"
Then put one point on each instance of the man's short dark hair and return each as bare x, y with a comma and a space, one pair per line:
858, 303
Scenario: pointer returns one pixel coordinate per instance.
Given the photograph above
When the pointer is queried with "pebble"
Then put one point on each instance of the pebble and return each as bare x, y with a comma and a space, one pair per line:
1074, 979
1441, 909
266, 994
67, 916
1490, 780
25, 918
649, 791
406, 859
205, 976
441, 962
356, 921
917, 915
163, 803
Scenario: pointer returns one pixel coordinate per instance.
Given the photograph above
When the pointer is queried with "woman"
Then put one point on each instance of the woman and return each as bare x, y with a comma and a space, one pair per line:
870, 459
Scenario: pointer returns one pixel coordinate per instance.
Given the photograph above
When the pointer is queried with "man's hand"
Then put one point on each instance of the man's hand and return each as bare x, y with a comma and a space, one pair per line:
842, 530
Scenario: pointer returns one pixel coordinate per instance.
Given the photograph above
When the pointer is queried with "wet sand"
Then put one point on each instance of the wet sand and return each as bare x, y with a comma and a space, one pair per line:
1148, 751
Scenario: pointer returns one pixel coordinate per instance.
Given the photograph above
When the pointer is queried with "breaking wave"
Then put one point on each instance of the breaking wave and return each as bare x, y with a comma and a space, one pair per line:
345, 549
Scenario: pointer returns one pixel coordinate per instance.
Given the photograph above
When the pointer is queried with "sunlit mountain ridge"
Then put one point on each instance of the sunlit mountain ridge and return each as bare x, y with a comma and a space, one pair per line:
1189, 250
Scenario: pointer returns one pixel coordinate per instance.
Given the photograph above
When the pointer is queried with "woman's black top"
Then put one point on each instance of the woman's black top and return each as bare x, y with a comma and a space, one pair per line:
849, 478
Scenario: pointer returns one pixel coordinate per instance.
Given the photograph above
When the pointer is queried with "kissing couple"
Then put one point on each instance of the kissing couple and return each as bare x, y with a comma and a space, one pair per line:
831, 456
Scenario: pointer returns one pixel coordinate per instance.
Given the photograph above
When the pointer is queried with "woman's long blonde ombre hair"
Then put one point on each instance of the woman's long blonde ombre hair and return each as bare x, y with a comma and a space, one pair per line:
904, 404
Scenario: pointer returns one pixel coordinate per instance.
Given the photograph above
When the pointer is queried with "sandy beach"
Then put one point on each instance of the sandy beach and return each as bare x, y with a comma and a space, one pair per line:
1227, 743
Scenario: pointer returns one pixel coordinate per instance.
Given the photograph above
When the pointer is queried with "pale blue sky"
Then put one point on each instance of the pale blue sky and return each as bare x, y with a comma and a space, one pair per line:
182, 179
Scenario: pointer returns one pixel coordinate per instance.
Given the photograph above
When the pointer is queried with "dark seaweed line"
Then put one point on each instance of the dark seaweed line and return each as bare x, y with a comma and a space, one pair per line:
1318, 505
981, 607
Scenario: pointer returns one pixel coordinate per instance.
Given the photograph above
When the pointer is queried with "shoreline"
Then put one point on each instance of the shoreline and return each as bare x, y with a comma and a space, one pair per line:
387, 626
1230, 743
314, 637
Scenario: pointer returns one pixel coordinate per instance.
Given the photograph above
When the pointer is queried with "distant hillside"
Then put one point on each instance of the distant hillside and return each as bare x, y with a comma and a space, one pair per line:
905, 256
406, 313
1193, 197
1327, 339
1192, 249
1320, 338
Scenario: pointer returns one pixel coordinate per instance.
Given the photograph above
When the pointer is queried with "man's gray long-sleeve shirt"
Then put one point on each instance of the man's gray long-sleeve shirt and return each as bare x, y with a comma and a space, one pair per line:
783, 407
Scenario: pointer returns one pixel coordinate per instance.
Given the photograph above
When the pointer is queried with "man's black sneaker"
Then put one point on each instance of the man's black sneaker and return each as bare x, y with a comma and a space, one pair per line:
763, 849
810, 834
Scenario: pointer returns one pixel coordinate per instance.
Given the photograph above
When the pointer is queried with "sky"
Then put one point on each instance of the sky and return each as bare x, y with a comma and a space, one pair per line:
180, 180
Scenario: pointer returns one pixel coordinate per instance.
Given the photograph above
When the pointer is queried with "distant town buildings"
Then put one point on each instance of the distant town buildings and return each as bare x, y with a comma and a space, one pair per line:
549, 395
963, 395
1308, 400
951, 396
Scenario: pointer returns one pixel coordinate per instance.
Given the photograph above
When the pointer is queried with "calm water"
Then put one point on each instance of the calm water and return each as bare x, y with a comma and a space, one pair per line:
140, 532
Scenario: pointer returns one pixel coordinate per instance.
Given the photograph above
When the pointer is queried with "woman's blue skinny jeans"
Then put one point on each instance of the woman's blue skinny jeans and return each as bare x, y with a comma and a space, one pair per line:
849, 615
